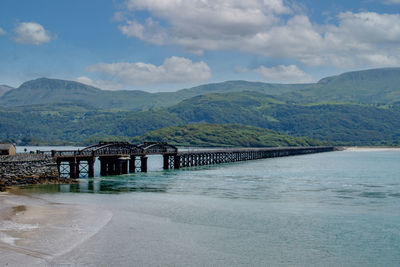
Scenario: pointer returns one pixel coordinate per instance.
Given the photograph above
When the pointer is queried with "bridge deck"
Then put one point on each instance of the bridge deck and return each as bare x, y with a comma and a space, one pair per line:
121, 158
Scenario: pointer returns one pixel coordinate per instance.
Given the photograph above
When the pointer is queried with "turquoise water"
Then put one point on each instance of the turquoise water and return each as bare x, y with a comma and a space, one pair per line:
330, 209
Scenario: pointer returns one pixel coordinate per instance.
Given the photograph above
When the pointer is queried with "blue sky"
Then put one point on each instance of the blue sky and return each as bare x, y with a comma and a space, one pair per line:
166, 45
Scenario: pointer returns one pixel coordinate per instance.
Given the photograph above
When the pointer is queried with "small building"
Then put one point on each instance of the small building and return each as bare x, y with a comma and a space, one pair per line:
7, 149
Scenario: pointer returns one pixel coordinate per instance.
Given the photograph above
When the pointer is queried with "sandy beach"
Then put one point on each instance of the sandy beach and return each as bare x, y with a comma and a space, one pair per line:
33, 231
370, 148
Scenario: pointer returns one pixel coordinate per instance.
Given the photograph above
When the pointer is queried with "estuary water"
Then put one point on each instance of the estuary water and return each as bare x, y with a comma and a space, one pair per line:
329, 209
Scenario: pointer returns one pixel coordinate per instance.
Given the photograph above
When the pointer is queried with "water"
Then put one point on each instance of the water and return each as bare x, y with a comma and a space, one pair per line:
330, 209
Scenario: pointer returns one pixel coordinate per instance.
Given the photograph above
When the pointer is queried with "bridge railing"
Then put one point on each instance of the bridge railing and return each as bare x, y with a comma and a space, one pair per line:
253, 149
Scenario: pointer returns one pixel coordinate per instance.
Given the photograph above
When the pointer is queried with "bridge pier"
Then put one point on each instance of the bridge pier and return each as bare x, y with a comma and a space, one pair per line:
143, 162
124, 168
91, 167
118, 166
72, 169
132, 165
166, 162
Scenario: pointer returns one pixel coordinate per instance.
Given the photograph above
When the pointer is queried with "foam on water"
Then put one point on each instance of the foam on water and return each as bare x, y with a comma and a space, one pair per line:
8, 225
8, 239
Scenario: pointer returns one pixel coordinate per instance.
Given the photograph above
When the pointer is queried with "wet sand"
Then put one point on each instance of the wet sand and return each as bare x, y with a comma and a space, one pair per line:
33, 231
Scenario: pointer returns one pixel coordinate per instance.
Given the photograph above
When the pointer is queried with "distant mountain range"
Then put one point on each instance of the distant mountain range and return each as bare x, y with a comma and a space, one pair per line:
381, 86
355, 108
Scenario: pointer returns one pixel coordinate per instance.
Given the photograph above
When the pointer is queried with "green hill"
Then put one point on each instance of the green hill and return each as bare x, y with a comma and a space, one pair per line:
53, 91
341, 124
368, 86
240, 86
44, 91
218, 135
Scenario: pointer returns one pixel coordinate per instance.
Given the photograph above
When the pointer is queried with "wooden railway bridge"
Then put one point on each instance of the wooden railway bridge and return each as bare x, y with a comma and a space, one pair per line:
118, 158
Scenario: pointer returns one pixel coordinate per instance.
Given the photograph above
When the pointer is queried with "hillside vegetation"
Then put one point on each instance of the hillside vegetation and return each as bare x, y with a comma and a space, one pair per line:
217, 135
344, 124
368, 86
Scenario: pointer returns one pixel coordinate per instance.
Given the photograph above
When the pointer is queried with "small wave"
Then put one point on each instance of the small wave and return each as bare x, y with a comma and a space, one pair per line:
395, 195
345, 197
373, 194
8, 239
371, 185
346, 191
13, 226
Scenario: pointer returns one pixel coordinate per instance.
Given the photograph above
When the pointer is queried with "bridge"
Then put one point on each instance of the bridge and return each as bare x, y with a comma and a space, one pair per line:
117, 158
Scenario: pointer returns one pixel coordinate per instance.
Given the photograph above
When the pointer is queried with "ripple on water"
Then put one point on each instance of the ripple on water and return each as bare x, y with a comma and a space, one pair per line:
395, 195
371, 185
373, 195
344, 191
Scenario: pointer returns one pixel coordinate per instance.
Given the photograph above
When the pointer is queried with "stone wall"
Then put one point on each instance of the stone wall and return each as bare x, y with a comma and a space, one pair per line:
28, 169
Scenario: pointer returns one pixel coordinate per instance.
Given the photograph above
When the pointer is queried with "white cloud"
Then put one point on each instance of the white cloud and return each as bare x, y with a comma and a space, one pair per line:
269, 28
391, 2
101, 84
150, 31
284, 74
2, 32
31, 33
202, 24
173, 70
239, 69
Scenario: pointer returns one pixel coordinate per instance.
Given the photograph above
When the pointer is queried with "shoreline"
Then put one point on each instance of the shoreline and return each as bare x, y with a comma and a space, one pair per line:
370, 148
34, 231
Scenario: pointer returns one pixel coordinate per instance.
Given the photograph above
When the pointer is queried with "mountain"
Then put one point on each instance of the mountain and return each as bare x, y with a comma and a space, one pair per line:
217, 135
4, 88
53, 91
368, 86
355, 108
377, 86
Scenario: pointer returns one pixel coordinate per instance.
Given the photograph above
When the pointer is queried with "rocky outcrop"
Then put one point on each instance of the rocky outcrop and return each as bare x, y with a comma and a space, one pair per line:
29, 169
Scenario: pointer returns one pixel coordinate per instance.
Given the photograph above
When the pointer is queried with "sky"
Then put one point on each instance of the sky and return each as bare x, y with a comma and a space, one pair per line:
167, 45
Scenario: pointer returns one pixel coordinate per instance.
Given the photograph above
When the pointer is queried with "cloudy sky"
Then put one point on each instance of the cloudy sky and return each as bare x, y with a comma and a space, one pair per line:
166, 45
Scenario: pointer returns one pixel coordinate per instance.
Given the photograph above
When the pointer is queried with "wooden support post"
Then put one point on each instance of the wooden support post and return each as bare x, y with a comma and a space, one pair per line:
177, 162
118, 166
77, 172
143, 161
165, 162
103, 167
111, 167
72, 169
91, 167
125, 166
132, 166
59, 166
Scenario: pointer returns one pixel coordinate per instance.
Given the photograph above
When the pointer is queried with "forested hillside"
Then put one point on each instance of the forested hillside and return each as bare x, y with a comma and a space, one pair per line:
228, 135
344, 124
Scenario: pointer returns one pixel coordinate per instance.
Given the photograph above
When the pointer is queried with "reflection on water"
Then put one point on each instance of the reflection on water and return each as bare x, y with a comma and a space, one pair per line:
98, 185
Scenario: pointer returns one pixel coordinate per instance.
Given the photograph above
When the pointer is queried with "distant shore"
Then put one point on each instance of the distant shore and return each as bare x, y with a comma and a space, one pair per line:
33, 231
370, 148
